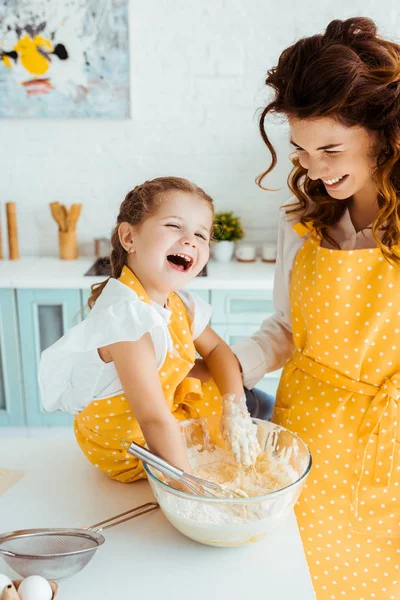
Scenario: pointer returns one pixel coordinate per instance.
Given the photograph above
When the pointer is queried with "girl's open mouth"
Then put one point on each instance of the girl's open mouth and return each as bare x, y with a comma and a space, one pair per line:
180, 262
332, 184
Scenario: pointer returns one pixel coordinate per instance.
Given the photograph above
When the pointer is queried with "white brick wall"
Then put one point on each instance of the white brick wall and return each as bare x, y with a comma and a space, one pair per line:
196, 84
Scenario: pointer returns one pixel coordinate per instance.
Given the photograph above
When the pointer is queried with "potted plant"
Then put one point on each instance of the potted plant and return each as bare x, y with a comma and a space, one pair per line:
227, 230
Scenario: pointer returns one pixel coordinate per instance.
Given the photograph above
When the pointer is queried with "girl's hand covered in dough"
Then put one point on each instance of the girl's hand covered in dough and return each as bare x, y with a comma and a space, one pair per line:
239, 430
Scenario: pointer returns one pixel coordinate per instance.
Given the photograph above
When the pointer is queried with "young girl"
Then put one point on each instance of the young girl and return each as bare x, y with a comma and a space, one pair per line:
337, 322
124, 370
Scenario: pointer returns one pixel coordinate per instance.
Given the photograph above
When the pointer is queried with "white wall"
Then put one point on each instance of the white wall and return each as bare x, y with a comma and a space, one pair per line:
197, 69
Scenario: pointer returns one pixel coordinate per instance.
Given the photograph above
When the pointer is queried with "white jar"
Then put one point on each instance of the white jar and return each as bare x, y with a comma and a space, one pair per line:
268, 253
245, 253
223, 251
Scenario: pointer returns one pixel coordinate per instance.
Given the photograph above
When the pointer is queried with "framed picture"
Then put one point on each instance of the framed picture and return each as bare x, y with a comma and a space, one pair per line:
64, 59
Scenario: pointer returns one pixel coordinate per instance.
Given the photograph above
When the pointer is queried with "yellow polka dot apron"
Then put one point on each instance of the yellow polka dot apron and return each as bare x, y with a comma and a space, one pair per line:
340, 392
101, 426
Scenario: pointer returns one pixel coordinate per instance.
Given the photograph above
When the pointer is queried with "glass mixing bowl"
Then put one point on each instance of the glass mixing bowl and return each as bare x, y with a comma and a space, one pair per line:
234, 521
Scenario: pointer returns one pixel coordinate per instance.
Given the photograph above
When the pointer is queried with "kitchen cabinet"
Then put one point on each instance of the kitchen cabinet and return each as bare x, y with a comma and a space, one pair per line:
11, 391
44, 316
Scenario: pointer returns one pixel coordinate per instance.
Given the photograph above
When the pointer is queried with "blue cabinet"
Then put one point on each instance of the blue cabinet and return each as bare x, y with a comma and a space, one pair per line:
44, 317
11, 394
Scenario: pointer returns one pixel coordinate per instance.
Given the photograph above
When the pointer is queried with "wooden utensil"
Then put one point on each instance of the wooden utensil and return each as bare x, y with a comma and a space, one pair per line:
11, 210
58, 215
65, 216
53, 586
74, 214
66, 220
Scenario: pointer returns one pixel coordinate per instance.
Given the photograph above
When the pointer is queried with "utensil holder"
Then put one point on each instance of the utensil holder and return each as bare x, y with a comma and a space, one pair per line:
53, 586
68, 245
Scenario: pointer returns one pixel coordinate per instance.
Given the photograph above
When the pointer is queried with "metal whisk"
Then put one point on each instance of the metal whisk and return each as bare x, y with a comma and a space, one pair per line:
196, 485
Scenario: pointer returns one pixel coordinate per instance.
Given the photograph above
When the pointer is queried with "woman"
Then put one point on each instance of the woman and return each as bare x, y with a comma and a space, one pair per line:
337, 322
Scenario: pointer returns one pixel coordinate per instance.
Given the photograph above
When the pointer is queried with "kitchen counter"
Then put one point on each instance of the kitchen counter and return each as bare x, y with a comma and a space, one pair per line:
145, 557
46, 273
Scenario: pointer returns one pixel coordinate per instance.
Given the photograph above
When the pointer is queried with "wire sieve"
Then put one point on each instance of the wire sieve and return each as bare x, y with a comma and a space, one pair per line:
56, 553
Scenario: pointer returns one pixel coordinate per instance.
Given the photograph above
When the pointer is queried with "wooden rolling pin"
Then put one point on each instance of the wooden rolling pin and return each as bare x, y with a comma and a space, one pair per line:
11, 209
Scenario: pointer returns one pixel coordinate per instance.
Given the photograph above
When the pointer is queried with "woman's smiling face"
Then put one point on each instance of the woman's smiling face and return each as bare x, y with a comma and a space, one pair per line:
343, 158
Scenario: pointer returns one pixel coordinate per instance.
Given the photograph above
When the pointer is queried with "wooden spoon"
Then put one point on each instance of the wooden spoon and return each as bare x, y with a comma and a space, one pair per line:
73, 216
58, 215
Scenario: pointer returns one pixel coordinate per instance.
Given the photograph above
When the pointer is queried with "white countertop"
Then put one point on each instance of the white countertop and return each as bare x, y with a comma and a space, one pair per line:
145, 557
44, 272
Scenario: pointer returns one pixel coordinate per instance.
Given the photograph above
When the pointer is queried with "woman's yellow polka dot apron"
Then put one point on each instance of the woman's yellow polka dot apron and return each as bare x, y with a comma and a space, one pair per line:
340, 392
101, 426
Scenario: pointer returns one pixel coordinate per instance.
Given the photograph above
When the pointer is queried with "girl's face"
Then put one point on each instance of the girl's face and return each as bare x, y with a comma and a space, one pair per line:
343, 158
172, 246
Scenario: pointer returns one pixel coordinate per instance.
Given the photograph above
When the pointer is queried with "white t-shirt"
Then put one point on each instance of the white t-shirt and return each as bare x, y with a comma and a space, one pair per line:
71, 372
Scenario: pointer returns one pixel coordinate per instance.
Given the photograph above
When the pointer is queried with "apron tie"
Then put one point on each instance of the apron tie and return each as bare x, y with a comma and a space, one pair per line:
380, 417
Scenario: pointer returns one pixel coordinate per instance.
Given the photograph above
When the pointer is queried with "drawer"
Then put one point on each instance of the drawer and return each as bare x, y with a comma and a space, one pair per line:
241, 306
236, 333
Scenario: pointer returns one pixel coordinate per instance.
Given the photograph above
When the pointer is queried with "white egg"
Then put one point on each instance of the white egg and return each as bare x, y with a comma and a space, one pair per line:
4, 582
35, 588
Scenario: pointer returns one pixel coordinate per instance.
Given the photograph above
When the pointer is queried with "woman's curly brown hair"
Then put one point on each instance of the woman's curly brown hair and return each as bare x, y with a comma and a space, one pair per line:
352, 75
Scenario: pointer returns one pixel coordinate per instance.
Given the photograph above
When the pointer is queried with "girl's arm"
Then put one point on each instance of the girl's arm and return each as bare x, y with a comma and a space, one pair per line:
221, 362
236, 424
136, 366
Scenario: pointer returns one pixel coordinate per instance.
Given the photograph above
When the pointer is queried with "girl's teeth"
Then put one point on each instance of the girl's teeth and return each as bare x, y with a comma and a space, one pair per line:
332, 181
183, 256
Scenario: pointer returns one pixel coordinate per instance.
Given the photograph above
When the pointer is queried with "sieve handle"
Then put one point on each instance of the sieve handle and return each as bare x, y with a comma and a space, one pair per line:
7, 553
125, 516
152, 459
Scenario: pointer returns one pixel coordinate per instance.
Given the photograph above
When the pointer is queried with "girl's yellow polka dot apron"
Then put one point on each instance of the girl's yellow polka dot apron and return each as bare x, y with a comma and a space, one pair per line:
101, 426
340, 392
